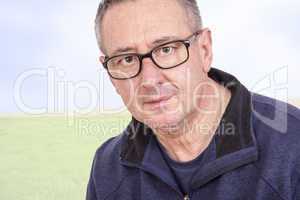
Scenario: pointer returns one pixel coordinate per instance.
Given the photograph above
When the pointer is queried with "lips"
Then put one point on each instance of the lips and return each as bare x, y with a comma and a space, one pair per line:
156, 102
153, 97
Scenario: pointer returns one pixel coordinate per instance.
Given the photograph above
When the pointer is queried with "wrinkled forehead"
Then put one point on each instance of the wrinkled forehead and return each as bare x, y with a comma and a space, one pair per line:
138, 23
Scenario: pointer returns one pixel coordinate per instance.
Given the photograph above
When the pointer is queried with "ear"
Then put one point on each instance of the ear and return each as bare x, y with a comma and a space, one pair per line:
102, 59
205, 46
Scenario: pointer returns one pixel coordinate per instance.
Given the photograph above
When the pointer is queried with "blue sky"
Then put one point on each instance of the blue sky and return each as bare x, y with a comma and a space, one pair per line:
254, 40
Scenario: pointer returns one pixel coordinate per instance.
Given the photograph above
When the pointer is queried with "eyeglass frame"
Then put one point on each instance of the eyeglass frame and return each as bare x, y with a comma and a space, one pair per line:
187, 43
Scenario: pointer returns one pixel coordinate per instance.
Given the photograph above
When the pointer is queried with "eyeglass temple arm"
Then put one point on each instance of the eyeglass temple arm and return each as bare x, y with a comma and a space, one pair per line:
194, 36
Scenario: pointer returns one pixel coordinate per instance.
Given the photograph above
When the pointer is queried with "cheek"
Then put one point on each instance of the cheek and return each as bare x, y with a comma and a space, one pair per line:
188, 78
127, 91
195, 59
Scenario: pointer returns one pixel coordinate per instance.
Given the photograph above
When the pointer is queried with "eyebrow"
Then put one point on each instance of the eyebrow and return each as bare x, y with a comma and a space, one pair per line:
153, 44
164, 39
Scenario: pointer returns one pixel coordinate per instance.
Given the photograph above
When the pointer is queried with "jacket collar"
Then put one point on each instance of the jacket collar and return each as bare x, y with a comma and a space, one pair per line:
234, 141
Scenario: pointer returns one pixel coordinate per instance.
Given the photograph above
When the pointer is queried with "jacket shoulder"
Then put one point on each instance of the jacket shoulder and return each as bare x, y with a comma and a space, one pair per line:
276, 118
107, 172
262, 103
276, 122
276, 126
109, 148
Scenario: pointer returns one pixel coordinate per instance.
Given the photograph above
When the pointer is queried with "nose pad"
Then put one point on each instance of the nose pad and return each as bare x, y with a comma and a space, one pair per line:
149, 69
150, 72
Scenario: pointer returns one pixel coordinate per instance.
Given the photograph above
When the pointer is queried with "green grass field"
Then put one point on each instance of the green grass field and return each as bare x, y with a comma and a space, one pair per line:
49, 158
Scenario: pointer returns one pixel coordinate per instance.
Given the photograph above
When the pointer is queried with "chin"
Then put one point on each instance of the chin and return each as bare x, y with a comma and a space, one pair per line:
162, 121
164, 117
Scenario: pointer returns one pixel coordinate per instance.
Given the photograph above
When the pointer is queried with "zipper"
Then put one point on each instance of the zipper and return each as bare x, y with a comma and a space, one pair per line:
128, 164
186, 197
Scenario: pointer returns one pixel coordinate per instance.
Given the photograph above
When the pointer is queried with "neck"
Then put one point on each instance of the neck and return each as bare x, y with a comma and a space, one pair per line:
192, 136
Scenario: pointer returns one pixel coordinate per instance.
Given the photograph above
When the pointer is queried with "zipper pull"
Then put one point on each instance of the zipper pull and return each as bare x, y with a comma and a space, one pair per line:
186, 197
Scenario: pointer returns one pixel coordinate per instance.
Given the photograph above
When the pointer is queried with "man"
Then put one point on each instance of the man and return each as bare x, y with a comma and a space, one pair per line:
196, 132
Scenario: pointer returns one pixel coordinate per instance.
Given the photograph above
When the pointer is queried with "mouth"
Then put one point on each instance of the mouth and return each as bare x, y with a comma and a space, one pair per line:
156, 103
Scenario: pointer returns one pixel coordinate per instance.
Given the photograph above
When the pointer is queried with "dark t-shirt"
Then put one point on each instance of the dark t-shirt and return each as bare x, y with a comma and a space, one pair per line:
184, 171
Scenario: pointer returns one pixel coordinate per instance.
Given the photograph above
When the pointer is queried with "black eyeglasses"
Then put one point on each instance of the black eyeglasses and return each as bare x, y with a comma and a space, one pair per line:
164, 56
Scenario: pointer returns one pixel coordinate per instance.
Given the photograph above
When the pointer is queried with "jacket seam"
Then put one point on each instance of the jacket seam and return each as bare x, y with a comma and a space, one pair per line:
117, 188
269, 184
295, 189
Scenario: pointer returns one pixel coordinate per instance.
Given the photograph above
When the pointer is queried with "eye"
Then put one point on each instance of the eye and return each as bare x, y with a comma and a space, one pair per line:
166, 50
127, 60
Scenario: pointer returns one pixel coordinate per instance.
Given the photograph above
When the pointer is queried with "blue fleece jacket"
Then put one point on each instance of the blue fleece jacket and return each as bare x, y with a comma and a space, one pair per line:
257, 156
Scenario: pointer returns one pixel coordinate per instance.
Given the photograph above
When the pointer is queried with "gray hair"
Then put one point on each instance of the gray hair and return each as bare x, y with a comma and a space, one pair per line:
191, 8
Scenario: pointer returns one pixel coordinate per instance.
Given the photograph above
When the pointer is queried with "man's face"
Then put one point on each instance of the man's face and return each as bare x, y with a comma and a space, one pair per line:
158, 97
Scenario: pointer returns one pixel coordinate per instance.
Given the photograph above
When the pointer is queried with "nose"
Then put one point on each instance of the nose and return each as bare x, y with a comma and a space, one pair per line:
150, 72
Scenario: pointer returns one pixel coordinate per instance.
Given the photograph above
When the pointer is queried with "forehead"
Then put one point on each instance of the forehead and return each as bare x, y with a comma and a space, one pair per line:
138, 23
